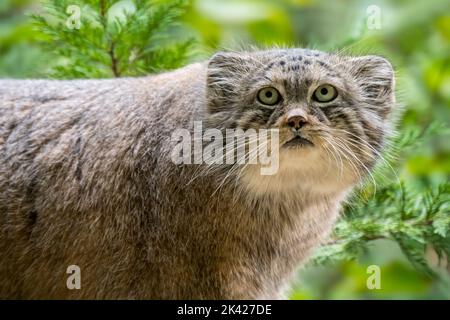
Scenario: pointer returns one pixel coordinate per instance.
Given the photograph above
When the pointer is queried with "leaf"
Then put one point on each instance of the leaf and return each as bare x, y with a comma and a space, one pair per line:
415, 252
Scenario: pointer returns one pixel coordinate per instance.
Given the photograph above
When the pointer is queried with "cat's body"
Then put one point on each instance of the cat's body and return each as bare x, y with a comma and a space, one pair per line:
86, 179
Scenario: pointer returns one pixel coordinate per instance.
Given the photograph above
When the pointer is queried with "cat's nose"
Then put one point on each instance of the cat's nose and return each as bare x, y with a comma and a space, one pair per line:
296, 119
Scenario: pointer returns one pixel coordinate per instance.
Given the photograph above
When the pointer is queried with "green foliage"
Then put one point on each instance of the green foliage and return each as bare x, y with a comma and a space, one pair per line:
387, 208
104, 38
19, 55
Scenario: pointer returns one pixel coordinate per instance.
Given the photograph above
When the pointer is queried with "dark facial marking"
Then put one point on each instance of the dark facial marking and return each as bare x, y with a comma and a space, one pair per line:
318, 113
269, 66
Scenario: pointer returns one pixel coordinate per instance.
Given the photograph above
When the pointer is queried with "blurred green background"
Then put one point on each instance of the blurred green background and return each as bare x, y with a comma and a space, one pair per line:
413, 35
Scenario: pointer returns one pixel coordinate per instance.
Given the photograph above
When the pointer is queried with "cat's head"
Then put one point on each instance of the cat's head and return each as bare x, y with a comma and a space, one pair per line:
333, 112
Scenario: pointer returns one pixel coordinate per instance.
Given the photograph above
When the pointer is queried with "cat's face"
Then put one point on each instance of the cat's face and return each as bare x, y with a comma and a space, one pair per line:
332, 111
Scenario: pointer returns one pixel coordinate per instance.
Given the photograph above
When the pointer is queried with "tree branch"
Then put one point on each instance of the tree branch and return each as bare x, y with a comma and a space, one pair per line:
112, 44
114, 62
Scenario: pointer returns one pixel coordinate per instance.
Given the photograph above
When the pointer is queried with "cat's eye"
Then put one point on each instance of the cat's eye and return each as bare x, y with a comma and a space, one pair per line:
269, 96
325, 93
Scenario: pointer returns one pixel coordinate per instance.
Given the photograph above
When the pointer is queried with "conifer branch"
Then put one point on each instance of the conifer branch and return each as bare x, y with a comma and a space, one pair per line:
133, 41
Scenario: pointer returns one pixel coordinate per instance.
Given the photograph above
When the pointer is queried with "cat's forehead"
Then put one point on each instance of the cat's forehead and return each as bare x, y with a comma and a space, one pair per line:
285, 56
292, 53
297, 63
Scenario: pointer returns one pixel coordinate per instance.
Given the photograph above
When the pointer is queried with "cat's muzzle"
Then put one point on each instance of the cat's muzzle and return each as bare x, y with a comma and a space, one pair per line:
298, 141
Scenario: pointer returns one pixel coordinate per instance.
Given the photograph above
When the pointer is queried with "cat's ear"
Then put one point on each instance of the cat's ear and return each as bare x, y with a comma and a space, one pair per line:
227, 62
223, 79
375, 76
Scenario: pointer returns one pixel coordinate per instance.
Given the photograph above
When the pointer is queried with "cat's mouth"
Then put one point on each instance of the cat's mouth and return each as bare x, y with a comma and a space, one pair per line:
298, 142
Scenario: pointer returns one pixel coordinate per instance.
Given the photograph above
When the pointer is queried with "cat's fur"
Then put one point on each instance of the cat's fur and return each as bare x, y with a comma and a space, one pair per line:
86, 177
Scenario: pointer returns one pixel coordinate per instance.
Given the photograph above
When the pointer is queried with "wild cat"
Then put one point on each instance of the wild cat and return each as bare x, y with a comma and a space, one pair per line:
86, 176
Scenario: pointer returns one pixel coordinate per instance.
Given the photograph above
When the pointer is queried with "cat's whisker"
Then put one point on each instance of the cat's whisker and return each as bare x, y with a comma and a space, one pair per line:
248, 161
342, 144
359, 140
328, 152
338, 154
334, 154
351, 162
254, 155
207, 169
